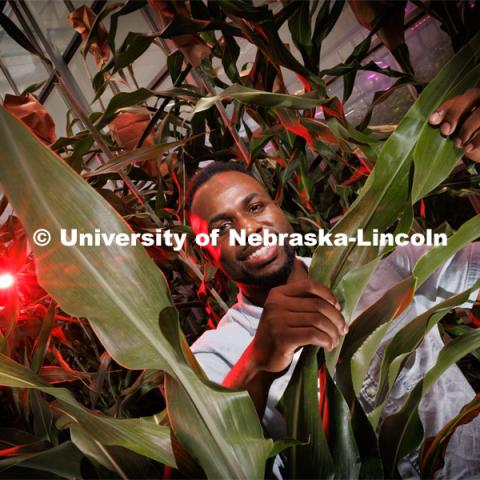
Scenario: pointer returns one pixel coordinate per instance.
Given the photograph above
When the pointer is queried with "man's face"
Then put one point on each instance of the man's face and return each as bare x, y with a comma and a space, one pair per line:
234, 200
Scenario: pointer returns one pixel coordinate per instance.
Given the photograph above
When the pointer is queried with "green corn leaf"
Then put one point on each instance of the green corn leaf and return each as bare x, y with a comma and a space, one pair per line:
63, 460
433, 449
402, 432
425, 266
259, 97
299, 26
364, 355
314, 455
428, 263
343, 445
181, 25
230, 56
143, 437
134, 46
93, 449
92, 34
389, 182
367, 443
19, 37
366, 324
266, 37
409, 338
128, 7
143, 154
122, 292
128, 99
325, 21
43, 339
122, 462
434, 155
122, 100
383, 199
42, 417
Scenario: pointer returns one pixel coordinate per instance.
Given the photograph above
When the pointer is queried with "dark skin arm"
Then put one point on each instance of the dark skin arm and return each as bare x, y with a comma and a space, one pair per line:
459, 117
294, 315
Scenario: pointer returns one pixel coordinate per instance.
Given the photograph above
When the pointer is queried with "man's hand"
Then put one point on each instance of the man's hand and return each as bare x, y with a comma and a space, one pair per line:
460, 117
295, 315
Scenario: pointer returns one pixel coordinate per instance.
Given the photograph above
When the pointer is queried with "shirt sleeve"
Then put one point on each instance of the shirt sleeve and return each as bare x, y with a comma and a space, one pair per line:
458, 274
214, 366
218, 350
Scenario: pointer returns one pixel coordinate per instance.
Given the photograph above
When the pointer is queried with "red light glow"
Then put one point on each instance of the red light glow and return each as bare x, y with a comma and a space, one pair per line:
6, 280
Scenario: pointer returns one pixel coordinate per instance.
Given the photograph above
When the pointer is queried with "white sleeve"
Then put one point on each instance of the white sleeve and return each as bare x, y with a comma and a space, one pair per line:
458, 274
214, 366
218, 350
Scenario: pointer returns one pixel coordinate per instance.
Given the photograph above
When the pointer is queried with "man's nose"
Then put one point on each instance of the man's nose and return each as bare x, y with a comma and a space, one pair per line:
251, 226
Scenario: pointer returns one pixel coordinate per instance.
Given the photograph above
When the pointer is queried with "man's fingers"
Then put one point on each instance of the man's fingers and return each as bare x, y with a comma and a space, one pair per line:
316, 321
300, 337
322, 324
316, 306
451, 118
437, 116
472, 149
309, 288
468, 130
450, 113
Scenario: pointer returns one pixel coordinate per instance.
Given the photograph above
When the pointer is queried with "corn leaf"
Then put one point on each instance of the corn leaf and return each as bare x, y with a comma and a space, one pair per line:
259, 97
433, 450
143, 154
435, 155
428, 263
383, 199
63, 460
122, 293
409, 338
343, 445
425, 266
314, 456
402, 432
388, 185
143, 437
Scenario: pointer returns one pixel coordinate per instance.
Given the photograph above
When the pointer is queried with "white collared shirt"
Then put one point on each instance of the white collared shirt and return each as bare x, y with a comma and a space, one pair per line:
218, 350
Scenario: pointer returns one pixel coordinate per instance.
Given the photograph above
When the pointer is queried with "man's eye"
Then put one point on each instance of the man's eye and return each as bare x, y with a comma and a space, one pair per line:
223, 227
256, 207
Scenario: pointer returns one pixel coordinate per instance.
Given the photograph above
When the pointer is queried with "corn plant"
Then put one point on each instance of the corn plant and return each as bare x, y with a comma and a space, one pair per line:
127, 302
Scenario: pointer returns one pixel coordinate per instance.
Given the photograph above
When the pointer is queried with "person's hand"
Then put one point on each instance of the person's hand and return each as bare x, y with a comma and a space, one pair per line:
295, 315
460, 116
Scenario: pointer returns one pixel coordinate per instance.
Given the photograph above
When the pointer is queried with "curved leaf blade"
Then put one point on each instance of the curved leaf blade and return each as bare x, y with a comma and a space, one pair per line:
433, 450
140, 436
259, 97
120, 290
403, 432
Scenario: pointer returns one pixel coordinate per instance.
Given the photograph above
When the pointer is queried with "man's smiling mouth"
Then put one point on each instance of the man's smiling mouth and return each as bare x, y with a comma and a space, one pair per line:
262, 255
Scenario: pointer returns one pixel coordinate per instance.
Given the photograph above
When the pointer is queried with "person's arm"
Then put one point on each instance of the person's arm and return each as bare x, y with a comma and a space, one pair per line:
305, 313
460, 117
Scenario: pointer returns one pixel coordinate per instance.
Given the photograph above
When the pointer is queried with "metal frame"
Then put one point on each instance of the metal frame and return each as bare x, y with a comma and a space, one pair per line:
97, 6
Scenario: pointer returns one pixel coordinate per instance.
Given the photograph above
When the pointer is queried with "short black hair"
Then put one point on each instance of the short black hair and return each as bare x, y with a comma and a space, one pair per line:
205, 174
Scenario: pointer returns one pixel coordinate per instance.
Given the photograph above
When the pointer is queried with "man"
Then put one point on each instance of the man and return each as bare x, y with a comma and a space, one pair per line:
280, 310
